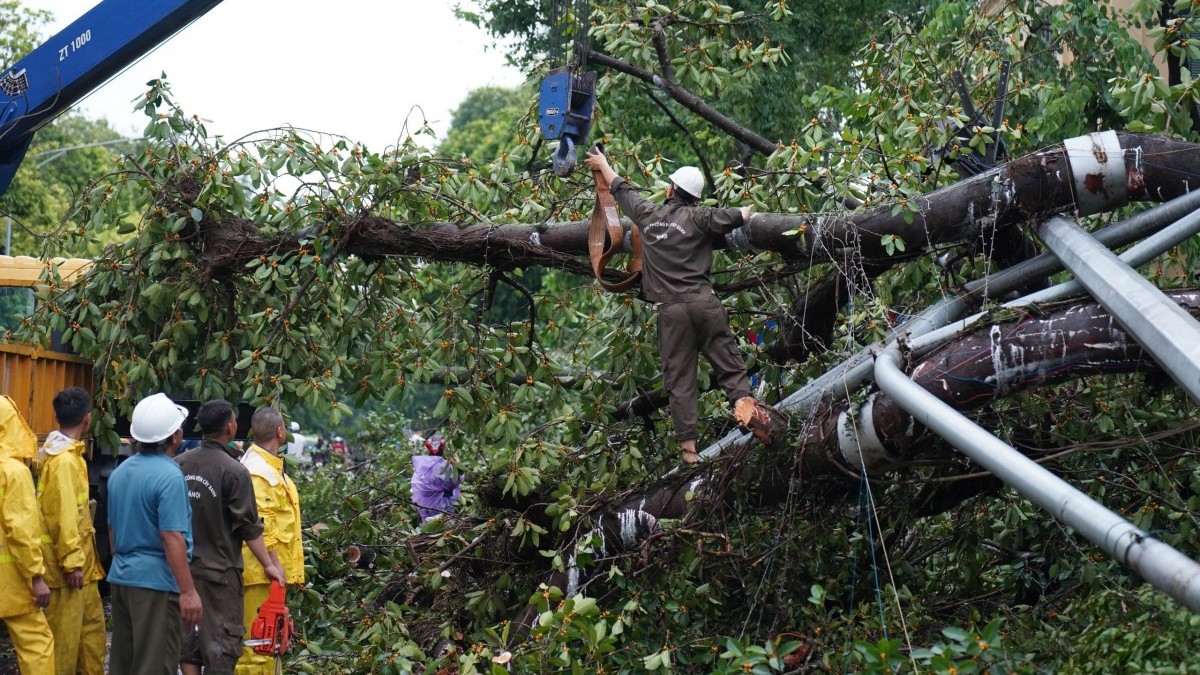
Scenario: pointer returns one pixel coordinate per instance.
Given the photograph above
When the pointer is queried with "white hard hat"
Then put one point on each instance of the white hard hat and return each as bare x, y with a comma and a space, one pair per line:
155, 418
295, 426
689, 179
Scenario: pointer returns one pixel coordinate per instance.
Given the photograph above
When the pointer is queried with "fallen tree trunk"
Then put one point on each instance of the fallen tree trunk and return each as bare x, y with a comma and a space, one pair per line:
996, 359
1025, 189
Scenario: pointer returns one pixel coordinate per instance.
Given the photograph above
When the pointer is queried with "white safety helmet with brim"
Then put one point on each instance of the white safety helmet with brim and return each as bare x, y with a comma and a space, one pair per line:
155, 418
689, 179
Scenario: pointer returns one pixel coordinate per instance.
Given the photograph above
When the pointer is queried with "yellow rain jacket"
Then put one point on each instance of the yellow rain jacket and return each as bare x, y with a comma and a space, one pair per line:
20, 521
63, 497
279, 507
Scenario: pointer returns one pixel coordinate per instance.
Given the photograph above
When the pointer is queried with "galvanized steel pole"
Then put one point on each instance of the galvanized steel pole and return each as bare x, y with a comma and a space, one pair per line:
1137, 255
1165, 568
1162, 327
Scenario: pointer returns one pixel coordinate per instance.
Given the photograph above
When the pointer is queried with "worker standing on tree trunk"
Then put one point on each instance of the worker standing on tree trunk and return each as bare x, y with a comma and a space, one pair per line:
279, 506
75, 613
23, 590
224, 516
677, 243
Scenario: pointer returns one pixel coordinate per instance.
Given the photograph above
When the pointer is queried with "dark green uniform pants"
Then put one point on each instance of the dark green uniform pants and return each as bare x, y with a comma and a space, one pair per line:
145, 638
217, 645
686, 329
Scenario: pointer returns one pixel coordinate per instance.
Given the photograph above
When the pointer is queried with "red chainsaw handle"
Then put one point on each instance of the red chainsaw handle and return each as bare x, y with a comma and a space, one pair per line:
277, 593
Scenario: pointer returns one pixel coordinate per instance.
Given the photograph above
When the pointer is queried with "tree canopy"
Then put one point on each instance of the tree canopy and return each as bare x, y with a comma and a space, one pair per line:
292, 270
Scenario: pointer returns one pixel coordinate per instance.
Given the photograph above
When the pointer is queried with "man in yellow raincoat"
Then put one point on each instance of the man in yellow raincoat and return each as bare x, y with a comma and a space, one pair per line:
279, 507
23, 591
72, 571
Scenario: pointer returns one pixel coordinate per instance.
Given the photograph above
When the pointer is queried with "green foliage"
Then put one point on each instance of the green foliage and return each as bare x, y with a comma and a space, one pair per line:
40, 198
484, 124
526, 398
1121, 644
21, 31
67, 158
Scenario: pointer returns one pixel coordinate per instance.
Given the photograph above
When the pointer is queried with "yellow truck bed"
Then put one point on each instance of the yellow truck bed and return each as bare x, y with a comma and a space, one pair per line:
31, 377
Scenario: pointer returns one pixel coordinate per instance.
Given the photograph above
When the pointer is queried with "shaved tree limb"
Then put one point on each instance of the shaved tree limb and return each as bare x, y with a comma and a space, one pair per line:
1001, 358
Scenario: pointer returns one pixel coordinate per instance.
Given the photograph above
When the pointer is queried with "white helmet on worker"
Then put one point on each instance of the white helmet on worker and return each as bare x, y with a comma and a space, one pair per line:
689, 179
295, 426
155, 418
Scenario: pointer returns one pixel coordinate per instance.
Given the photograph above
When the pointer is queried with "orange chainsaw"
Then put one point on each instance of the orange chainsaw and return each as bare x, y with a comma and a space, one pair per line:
271, 632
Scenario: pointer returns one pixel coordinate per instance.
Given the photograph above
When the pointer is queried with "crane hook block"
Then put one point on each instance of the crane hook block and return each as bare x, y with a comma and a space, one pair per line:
566, 101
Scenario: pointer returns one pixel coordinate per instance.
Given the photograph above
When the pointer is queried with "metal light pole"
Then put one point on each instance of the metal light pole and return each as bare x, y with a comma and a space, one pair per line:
1166, 568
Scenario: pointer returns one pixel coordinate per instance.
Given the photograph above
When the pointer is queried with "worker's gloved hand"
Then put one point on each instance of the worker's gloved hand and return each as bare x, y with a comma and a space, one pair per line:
189, 608
75, 579
41, 592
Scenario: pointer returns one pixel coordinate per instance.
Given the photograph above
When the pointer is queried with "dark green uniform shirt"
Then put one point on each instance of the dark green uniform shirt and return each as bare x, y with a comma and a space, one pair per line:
224, 513
676, 241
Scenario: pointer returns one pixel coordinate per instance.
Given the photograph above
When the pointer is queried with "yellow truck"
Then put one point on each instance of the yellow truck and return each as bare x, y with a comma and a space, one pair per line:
30, 376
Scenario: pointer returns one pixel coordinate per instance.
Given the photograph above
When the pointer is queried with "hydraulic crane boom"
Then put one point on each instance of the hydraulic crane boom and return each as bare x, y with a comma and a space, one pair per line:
80, 58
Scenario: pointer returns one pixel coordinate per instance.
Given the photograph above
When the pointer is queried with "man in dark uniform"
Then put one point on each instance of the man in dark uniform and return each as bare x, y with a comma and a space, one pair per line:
224, 515
677, 247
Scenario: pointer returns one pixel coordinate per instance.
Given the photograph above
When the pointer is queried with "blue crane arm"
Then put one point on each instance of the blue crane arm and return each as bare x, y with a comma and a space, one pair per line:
80, 58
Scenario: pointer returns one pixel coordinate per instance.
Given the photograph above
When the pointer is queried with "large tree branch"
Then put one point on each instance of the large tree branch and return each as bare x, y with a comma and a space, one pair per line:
1027, 188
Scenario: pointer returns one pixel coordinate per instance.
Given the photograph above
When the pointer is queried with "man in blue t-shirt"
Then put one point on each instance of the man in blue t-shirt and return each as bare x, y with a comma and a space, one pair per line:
150, 534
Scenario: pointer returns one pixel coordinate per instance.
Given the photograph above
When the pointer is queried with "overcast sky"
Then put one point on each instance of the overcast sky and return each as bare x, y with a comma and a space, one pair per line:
353, 67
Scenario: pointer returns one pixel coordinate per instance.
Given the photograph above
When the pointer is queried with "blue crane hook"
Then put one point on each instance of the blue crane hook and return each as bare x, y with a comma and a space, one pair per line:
566, 101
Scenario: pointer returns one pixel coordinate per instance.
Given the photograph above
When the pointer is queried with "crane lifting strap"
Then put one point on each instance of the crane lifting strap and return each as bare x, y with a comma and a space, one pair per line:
605, 236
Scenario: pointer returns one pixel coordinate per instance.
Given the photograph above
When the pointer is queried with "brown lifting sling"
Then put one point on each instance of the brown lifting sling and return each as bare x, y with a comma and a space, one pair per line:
605, 236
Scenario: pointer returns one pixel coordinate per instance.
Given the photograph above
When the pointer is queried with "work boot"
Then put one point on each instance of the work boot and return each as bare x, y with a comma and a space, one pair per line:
753, 416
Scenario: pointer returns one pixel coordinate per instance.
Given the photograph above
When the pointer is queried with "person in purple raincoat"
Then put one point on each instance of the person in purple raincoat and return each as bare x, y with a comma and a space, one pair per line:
435, 484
